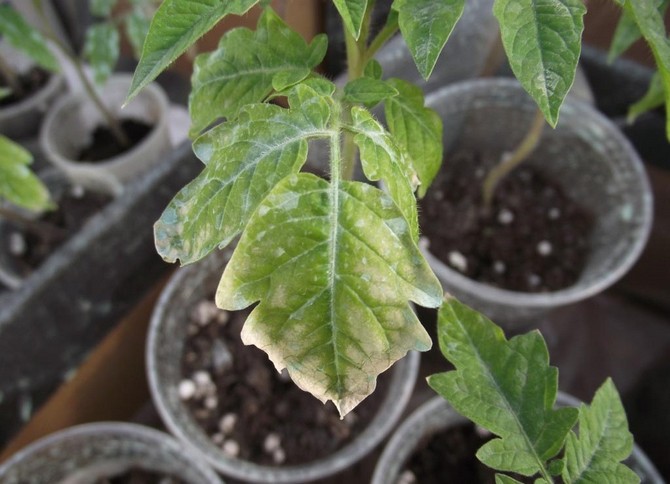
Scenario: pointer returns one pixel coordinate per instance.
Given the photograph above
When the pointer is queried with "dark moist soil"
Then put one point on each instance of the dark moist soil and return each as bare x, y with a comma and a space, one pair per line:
449, 456
30, 81
73, 210
250, 410
104, 145
534, 238
140, 476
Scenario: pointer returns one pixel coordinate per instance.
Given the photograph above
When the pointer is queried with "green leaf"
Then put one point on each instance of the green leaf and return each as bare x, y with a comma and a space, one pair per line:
653, 98
18, 184
242, 69
651, 24
137, 27
382, 160
503, 479
244, 160
287, 79
101, 49
426, 25
24, 37
504, 386
5, 92
373, 69
102, 8
603, 442
176, 25
368, 91
333, 266
416, 129
542, 39
352, 13
627, 32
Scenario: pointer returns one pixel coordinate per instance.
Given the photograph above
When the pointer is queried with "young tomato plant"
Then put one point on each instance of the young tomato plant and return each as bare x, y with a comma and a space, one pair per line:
332, 263
509, 388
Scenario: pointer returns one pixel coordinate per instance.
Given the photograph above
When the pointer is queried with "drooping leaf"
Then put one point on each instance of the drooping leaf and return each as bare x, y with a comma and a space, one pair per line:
426, 25
176, 25
542, 39
651, 24
627, 32
333, 266
244, 160
416, 129
18, 33
102, 8
382, 160
368, 91
18, 184
653, 98
137, 27
603, 442
504, 386
242, 69
101, 49
352, 13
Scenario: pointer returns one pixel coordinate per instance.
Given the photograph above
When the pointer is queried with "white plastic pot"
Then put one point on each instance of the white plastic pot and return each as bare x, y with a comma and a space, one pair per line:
69, 125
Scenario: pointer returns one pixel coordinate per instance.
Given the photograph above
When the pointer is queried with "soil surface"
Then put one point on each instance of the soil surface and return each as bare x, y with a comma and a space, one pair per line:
29, 249
140, 476
250, 410
449, 456
533, 239
30, 82
104, 145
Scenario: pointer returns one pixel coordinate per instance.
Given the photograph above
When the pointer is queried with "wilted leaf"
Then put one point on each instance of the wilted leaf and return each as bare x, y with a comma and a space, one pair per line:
504, 386
18, 33
416, 129
426, 25
333, 266
244, 160
101, 49
176, 25
542, 39
18, 184
241, 70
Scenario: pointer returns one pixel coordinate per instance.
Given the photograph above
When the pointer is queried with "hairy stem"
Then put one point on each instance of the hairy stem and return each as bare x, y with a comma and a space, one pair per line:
382, 37
110, 119
511, 160
43, 230
10, 78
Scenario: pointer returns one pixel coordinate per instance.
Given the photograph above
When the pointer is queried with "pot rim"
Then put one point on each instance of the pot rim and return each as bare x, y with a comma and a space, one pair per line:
404, 374
54, 83
573, 109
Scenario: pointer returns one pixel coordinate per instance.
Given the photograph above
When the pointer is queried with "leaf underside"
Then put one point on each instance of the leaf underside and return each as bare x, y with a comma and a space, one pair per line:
333, 267
505, 386
426, 25
542, 39
18, 184
242, 69
21, 35
176, 25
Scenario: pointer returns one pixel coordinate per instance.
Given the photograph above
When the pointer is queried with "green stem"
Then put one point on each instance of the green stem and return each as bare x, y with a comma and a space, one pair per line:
382, 37
109, 118
514, 159
11, 78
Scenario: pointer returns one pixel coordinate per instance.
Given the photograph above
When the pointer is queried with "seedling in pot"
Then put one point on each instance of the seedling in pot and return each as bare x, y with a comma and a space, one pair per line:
508, 388
332, 263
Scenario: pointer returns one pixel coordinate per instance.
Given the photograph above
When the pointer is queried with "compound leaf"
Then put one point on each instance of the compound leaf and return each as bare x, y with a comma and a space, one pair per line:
21, 35
18, 184
417, 130
504, 386
101, 49
603, 442
241, 70
333, 266
352, 13
176, 25
244, 160
426, 25
542, 39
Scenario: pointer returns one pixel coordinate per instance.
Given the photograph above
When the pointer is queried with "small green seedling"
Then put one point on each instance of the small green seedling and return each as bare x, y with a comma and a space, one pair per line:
509, 388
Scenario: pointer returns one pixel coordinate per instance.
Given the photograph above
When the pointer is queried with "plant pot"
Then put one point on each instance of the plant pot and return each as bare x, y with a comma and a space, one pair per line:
69, 127
22, 119
436, 416
586, 156
165, 346
87, 453
12, 271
